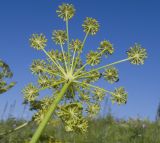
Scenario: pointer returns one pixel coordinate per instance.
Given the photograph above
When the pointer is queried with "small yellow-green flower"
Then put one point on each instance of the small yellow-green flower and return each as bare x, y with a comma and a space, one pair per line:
99, 94
38, 41
93, 109
95, 75
82, 125
59, 37
111, 75
39, 116
106, 47
54, 54
38, 66
66, 11
76, 45
119, 96
30, 92
84, 96
93, 58
43, 81
90, 26
46, 102
137, 54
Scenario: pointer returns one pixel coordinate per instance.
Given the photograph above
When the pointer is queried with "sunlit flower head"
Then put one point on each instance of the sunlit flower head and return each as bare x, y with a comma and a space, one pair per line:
137, 54
66, 11
38, 66
76, 45
111, 75
120, 96
39, 116
106, 47
93, 58
93, 109
59, 37
38, 41
30, 92
99, 94
90, 26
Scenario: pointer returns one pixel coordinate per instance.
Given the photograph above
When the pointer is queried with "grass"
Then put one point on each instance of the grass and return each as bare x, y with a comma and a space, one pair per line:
101, 130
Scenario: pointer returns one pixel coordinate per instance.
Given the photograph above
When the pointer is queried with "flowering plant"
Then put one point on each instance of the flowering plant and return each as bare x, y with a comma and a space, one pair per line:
70, 79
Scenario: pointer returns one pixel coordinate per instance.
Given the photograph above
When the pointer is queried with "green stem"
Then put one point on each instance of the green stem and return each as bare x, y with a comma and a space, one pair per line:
43, 88
90, 76
49, 113
64, 58
93, 86
68, 42
108, 65
82, 49
51, 72
73, 60
57, 64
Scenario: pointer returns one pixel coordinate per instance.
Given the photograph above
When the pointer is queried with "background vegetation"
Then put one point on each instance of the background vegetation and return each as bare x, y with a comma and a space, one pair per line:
101, 130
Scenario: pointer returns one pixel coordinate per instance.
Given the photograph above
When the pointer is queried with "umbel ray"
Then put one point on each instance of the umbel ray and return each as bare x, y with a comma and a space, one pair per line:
71, 80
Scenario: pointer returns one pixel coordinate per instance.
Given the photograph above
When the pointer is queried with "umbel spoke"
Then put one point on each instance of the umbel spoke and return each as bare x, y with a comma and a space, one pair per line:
67, 29
65, 62
93, 86
52, 73
84, 40
102, 67
55, 62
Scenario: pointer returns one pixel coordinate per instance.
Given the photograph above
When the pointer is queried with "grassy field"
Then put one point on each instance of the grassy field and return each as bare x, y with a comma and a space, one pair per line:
101, 130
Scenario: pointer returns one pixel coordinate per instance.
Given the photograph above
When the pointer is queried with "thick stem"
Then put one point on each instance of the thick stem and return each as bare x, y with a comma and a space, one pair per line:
48, 115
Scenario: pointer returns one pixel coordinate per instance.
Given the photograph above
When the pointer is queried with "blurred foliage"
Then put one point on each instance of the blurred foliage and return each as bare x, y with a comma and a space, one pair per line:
5, 72
101, 130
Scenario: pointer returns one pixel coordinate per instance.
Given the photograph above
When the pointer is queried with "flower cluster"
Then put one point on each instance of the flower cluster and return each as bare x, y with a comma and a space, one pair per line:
90, 26
59, 37
99, 94
76, 45
71, 114
119, 96
30, 92
71, 81
137, 54
66, 11
111, 75
38, 66
106, 47
93, 58
38, 41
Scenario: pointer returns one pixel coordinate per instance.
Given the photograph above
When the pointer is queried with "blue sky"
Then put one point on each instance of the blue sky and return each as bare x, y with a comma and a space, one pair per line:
122, 22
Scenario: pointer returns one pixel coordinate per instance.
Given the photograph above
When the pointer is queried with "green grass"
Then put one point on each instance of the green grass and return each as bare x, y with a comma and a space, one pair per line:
101, 130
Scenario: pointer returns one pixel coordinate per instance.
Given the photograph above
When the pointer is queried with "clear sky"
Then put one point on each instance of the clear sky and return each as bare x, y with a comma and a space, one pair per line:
122, 22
